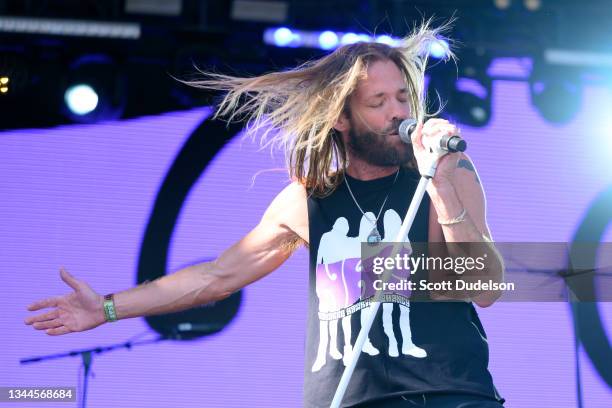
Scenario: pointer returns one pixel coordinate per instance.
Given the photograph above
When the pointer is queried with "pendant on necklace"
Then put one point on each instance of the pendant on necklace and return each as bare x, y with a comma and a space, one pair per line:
374, 236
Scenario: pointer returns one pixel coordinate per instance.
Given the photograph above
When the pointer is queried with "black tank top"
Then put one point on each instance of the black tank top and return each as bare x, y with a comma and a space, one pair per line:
413, 348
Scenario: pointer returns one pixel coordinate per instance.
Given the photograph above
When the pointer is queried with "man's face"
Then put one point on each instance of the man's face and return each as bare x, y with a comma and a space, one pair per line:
378, 106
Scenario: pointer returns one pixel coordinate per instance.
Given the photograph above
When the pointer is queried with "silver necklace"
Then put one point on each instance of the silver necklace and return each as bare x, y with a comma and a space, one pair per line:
374, 235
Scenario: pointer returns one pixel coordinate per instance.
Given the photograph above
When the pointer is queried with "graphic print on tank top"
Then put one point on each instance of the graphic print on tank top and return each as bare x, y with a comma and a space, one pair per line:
339, 287
415, 345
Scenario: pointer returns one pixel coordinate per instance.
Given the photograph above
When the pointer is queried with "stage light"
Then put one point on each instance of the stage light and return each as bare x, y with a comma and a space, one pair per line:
248, 10
94, 90
282, 36
328, 40
385, 39
70, 27
81, 99
14, 74
166, 8
325, 40
4, 84
533, 5
502, 4
577, 58
349, 38
438, 49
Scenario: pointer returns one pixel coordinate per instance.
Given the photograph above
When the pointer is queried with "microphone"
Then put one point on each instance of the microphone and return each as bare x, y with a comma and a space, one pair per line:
452, 143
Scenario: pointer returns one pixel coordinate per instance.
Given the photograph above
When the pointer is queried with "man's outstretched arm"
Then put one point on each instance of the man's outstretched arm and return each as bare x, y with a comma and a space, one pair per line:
257, 254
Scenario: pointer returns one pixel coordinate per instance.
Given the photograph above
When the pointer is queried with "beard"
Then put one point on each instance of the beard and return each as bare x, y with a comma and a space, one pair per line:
378, 148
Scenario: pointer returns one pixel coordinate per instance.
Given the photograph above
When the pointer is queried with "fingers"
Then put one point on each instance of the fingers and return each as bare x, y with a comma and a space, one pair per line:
41, 304
58, 331
435, 125
69, 279
49, 324
441, 131
438, 124
54, 314
437, 121
436, 128
433, 128
416, 136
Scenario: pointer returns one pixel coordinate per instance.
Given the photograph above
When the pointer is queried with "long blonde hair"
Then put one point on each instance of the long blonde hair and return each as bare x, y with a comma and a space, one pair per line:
295, 110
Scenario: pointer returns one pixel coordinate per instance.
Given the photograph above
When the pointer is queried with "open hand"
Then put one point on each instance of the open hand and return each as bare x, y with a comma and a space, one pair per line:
77, 311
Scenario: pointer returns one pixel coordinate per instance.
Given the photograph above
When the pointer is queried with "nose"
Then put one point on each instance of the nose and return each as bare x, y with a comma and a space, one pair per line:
399, 111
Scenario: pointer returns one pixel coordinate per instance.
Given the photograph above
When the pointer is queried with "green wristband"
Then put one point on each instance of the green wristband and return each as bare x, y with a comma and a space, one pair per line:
109, 308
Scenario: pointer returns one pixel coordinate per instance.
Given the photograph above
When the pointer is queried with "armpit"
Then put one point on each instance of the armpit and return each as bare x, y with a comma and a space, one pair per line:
294, 243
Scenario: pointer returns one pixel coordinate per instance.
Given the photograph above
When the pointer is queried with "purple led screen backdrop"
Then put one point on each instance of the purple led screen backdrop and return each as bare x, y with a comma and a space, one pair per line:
81, 196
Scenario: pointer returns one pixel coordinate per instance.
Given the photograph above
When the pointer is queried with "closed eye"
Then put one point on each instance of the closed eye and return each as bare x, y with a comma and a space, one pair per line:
401, 100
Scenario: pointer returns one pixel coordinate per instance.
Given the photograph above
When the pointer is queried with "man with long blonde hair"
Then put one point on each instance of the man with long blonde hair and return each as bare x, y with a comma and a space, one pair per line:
337, 120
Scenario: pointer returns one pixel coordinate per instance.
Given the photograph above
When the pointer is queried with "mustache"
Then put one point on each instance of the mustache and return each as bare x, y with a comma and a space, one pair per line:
393, 128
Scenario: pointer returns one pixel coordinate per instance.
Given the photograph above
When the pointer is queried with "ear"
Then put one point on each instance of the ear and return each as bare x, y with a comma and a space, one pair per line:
342, 124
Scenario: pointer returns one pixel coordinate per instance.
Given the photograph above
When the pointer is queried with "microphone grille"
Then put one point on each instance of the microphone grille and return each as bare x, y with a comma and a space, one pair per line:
405, 129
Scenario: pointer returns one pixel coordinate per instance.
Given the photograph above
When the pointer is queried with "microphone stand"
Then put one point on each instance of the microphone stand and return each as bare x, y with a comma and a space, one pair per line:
87, 358
437, 152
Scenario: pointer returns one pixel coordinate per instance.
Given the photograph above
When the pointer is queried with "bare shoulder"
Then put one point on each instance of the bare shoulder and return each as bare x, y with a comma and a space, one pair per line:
289, 209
